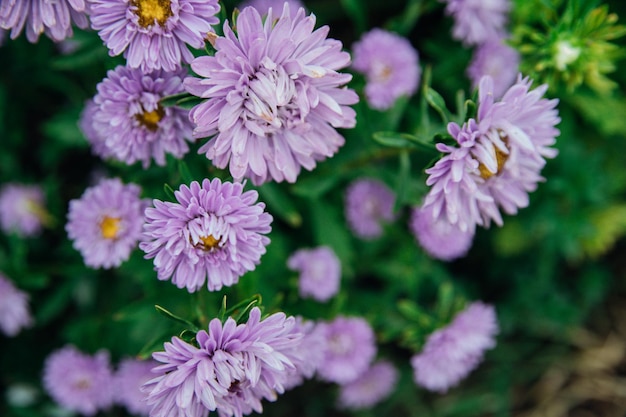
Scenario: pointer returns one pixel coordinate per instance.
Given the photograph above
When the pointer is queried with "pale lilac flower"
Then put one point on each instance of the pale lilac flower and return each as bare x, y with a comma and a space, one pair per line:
105, 223
263, 6
320, 272
79, 382
154, 34
22, 209
369, 203
54, 18
499, 157
373, 386
127, 122
308, 355
229, 369
390, 64
477, 21
350, 348
214, 232
454, 351
438, 237
498, 60
130, 376
273, 96
14, 310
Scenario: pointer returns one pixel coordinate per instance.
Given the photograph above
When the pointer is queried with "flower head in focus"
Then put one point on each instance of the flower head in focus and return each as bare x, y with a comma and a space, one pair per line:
79, 382
373, 386
130, 376
105, 223
14, 310
22, 209
498, 60
40, 16
274, 96
230, 368
154, 34
390, 64
454, 351
214, 232
263, 6
320, 272
477, 21
368, 203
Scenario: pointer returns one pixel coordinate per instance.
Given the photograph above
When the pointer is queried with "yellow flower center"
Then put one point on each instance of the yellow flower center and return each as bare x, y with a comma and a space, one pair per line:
501, 158
110, 226
82, 383
152, 11
151, 119
207, 243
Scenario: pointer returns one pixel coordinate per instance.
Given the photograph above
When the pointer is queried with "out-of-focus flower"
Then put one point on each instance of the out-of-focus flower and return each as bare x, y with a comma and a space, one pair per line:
390, 64
368, 203
477, 21
105, 223
14, 310
499, 157
263, 6
308, 355
154, 34
350, 348
21, 394
320, 272
22, 209
214, 232
79, 382
40, 16
438, 237
454, 351
273, 96
498, 60
231, 368
130, 376
126, 121
373, 386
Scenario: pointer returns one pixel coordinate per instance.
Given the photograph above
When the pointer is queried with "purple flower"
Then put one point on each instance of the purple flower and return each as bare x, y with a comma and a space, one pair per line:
373, 386
438, 237
230, 368
214, 232
127, 122
77, 381
14, 310
274, 96
320, 272
477, 21
369, 203
263, 6
154, 34
390, 64
308, 355
454, 351
130, 376
105, 223
54, 18
499, 157
350, 348
498, 60
22, 209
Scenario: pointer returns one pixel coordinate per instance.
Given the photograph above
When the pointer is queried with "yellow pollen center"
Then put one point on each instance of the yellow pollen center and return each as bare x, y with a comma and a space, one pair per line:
151, 119
82, 384
501, 158
152, 11
207, 243
109, 227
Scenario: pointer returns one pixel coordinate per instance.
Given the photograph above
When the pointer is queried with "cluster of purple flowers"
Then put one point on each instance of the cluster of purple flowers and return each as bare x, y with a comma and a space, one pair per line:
320, 272
14, 309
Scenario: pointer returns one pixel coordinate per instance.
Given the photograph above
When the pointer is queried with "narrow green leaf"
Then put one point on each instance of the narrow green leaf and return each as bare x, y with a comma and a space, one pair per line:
184, 171
169, 191
176, 318
436, 101
172, 100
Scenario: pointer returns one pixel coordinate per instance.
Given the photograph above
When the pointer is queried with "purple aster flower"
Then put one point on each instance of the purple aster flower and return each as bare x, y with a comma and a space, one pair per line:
14, 310
498, 60
454, 351
438, 237
308, 355
54, 18
274, 96
105, 223
263, 6
154, 34
477, 21
127, 122
369, 203
231, 368
390, 64
373, 386
22, 209
130, 376
214, 232
499, 157
320, 272
77, 381
350, 348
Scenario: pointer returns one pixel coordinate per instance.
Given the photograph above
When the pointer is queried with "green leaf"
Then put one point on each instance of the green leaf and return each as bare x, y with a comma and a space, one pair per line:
436, 101
404, 140
172, 100
176, 318
169, 191
404, 177
280, 203
315, 187
184, 171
